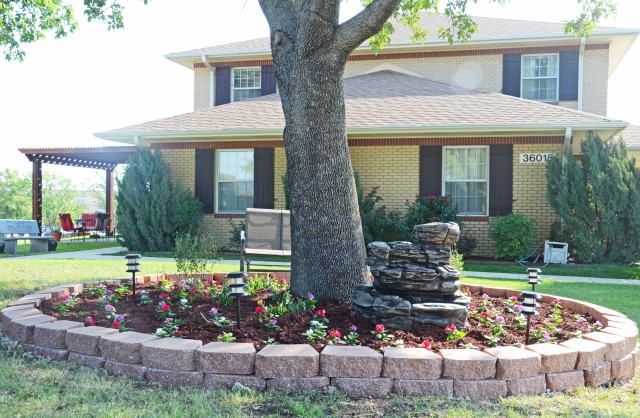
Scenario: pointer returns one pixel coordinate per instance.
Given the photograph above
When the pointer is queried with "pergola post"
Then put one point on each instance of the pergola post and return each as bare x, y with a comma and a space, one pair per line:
36, 190
109, 200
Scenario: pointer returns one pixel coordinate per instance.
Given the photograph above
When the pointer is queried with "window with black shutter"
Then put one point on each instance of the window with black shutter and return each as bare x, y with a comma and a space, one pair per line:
430, 170
263, 173
500, 180
205, 178
223, 85
511, 74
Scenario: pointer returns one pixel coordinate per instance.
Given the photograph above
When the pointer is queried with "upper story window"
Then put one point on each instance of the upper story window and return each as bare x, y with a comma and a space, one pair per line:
245, 83
466, 178
234, 180
540, 77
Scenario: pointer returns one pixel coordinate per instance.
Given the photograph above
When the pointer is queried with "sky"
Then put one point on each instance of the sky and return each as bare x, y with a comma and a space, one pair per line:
97, 80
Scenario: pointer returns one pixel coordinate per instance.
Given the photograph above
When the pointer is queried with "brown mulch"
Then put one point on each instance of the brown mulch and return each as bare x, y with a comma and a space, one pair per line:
145, 319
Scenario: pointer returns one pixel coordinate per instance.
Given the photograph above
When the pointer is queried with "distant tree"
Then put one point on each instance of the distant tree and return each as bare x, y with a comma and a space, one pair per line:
59, 195
151, 210
15, 195
598, 201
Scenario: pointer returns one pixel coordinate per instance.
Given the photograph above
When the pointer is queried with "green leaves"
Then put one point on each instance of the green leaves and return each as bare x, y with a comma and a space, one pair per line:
592, 12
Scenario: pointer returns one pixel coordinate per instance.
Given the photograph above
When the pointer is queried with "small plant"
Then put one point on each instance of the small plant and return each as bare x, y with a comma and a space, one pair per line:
216, 318
334, 337
273, 324
164, 309
556, 313
513, 235
221, 294
90, 321
123, 289
170, 329
119, 323
165, 285
380, 333
598, 326
485, 318
109, 298
540, 335
110, 312
234, 239
193, 252
426, 344
498, 328
492, 340
227, 337
65, 303
317, 327
425, 209
379, 223
453, 334
397, 343
96, 290
352, 336
145, 299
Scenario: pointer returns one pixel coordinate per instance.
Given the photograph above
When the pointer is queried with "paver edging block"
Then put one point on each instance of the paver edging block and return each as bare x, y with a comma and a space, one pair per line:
226, 358
338, 361
52, 334
296, 366
21, 329
515, 363
124, 347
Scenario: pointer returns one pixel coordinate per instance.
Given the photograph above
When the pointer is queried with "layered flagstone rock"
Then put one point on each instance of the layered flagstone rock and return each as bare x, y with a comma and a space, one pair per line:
414, 284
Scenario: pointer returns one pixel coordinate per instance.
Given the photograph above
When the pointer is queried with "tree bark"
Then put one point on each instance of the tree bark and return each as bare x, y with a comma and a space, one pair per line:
310, 49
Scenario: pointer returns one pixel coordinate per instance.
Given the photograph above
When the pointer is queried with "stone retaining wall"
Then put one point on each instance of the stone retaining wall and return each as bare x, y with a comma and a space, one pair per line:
598, 358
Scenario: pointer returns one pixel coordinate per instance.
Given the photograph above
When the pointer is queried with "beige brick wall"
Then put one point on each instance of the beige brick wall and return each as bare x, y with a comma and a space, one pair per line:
394, 169
596, 80
635, 154
474, 72
201, 88
183, 166
279, 168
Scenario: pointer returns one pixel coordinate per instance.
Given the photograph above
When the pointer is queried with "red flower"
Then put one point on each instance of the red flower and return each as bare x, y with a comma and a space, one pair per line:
116, 324
380, 328
193, 289
381, 212
487, 314
556, 301
166, 307
163, 295
159, 283
91, 321
322, 313
446, 199
472, 308
447, 329
434, 219
335, 333
426, 344
283, 281
432, 197
260, 310
451, 327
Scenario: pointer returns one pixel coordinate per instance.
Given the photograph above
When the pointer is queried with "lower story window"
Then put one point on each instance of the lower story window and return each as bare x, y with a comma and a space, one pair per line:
465, 178
235, 181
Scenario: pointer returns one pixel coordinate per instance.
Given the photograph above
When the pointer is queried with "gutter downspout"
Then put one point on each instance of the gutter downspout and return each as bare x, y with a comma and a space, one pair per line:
581, 72
211, 79
566, 149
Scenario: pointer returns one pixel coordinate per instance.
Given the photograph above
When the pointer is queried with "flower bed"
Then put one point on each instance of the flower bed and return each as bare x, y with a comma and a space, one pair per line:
204, 310
599, 357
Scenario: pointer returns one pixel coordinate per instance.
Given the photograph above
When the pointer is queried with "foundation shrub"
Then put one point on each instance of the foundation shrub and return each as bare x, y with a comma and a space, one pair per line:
513, 235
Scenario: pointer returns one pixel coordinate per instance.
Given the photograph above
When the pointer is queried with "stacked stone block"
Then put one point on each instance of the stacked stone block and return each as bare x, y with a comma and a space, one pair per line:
414, 284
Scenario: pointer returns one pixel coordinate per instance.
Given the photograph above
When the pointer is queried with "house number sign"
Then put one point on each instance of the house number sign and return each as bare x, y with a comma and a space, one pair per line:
535, 158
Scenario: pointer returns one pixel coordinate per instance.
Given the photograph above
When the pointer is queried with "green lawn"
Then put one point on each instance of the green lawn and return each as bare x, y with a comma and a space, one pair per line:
597, 270
64, 247
35, 387
220, 256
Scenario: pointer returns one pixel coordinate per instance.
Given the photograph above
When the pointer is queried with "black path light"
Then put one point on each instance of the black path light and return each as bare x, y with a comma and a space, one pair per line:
237, 290
529, 306
534, 277
132, 267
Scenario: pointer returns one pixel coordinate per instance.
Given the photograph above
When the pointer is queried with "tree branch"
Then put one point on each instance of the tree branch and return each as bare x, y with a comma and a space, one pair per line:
364, 25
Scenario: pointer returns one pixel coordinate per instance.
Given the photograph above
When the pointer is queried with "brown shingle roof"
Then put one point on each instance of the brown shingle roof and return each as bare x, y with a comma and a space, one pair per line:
488, 27
631, 136
378, 101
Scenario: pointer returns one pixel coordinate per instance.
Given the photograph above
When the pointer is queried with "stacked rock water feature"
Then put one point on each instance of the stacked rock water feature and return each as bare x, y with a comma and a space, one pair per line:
413, 283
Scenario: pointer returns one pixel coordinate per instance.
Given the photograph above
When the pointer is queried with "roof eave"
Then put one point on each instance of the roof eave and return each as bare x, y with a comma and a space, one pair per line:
390, 131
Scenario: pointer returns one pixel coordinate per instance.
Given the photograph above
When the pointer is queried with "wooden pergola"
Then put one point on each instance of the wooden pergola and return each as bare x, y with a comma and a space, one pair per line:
101, 158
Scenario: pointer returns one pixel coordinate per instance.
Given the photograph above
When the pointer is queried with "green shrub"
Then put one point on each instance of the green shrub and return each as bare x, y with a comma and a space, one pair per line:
465, 245
513, 235
426, 209
457, 261
194, 252
378, 223
234, 243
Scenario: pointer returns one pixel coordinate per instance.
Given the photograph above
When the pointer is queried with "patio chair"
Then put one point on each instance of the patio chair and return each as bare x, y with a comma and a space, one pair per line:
67, 225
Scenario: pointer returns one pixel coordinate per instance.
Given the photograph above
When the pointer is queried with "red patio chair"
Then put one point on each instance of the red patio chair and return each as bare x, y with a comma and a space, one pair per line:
88, 221
67, 224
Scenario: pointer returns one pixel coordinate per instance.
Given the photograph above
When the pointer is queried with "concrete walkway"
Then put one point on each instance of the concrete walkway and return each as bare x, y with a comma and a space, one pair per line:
104, 254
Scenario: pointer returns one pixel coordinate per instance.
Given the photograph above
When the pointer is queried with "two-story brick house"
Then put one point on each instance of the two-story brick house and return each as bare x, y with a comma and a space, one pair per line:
473, 121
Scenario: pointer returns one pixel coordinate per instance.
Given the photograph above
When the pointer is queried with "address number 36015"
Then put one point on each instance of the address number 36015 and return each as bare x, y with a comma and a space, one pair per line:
535, 158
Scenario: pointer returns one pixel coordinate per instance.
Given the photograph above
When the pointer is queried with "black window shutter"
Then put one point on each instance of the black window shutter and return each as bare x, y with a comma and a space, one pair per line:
500, 180
267, 80
263, 178
430, 170
205, 178
568, 75
223, 85
511, 73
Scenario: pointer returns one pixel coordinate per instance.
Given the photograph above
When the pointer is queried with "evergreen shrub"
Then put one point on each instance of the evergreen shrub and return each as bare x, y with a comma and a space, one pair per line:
513, 235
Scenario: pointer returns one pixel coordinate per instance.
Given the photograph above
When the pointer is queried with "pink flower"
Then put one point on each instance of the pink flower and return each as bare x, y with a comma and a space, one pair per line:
193, 288
499, 319
434, 219
322, 313
453, 327
335, 333
556, 301
109, 308
426, 344
446, 199
260, 310
354, 328
380, 328
166, 307
91, 322
514, 298
116, 324
485, 296
163, 295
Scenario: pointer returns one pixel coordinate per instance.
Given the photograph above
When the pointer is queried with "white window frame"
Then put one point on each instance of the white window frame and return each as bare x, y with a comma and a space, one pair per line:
233, 88
557, 76
217, 184
444, 179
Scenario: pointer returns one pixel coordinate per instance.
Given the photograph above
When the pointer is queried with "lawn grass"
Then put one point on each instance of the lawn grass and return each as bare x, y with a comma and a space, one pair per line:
30, 386
220, 256
64, 247
611, 271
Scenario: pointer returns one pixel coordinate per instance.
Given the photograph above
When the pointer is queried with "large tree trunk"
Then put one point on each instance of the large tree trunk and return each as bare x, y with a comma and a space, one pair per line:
310, 50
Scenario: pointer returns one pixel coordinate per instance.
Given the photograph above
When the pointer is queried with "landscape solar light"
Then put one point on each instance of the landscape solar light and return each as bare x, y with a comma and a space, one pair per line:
237, 286
132, 267
534, 277
529, 306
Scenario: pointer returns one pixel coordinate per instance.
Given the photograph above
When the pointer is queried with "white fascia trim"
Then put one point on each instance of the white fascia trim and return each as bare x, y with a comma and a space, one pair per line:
438, 42
468, 130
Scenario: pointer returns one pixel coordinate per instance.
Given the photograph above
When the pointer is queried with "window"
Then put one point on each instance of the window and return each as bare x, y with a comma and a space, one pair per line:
540, 77
465, 178
245, 83
235, 181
